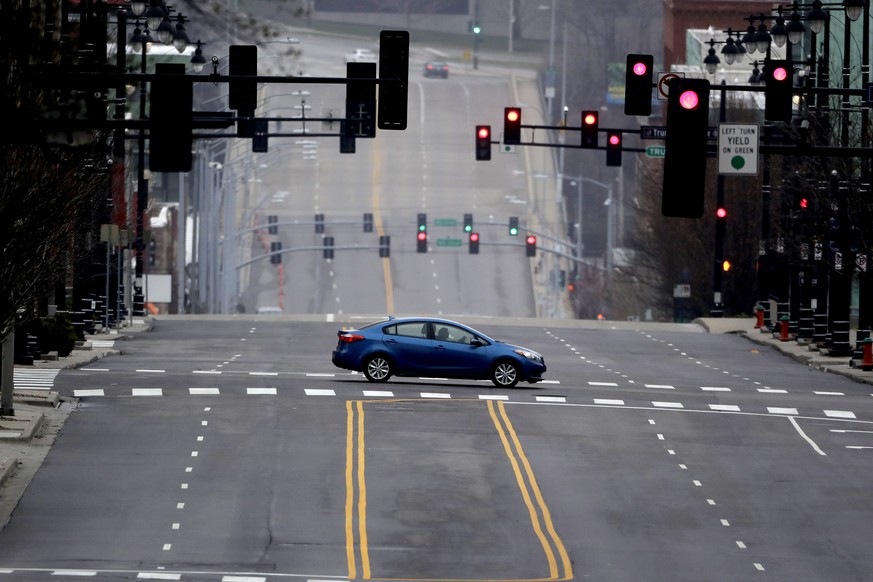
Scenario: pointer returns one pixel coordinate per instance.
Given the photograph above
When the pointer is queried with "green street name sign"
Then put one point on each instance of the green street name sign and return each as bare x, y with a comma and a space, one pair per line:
445, 222
655, 151
448, 242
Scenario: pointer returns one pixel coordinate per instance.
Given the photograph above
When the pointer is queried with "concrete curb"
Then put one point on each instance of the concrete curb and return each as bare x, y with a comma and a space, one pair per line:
8, 465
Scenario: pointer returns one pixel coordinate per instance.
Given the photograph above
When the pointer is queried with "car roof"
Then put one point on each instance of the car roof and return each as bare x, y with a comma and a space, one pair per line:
395, 320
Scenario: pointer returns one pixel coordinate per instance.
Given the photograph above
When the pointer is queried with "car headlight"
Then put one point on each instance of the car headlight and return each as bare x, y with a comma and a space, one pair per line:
529, 355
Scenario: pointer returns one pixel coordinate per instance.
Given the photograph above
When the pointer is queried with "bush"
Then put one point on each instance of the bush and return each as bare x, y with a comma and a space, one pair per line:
55, 334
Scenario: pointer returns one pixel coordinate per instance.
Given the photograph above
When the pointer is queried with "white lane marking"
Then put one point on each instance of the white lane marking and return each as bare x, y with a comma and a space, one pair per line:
725, 523
839, 414
741, 545
843, 431
379, 393
202, 391
657, 404
72, 572
551, 399
159, 575
326, 375
244, 579
88, 392
146, 392
715, 389
772, 391
759, 567
777, 410
821, 393
426, 378
435, 395
493, 397
319, 392
95, 369
602, 384
608, 402
857, 447
147, 371
725, 407
263, 373
803, 435
270, 391
697, 483
660, 386
549, 382
206, 372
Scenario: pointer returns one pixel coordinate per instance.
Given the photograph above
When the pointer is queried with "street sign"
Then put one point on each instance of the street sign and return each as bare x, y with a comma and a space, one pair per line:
663, 79
445, 222
448, 242
738, 149
656, 151
653, 132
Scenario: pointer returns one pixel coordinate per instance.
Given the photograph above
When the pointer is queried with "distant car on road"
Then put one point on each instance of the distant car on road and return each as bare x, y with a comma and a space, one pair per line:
436, 69
269, 310
361, 55
412, 346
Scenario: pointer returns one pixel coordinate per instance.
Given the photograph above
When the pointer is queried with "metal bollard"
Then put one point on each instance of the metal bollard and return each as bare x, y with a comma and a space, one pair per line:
783, 328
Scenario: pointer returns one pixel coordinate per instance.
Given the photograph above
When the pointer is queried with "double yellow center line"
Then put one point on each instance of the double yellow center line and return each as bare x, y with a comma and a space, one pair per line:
357, 549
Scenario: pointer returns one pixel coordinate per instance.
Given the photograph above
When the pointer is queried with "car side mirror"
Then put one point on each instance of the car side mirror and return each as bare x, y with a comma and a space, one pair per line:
477, 343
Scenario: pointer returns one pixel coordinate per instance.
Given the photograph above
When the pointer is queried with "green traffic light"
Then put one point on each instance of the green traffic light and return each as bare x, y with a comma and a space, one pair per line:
422, 227
468, 228
477, 29
513, 232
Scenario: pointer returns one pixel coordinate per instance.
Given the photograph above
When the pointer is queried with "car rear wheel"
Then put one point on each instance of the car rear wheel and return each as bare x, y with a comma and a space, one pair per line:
377, 369
505, 374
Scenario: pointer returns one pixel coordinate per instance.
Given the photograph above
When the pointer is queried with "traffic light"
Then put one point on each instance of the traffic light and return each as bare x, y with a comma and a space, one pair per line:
468, 223
726, 265
613, 148
512, 125
393, 64
685, 155
319, 223
530, 245
275, 250
171, 128
474, 243
271, 224
328, 247
590, 126
384, 246
483, 142
242, 93
421, 233
638, 85
261, 138
513, 226
778, 83
360, 118
368, 222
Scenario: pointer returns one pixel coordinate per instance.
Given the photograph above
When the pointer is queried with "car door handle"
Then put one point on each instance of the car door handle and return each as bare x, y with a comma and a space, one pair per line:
390, 341
440, 347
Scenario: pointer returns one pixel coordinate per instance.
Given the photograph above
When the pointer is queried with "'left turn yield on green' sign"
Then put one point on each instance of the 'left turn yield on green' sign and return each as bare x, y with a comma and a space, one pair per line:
738, 149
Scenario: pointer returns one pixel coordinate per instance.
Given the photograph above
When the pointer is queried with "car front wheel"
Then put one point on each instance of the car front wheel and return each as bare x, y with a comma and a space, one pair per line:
377, 369
505, 374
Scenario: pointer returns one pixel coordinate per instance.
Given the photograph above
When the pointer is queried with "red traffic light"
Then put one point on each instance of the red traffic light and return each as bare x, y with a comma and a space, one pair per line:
780, 73
512, 114
484, 132
531, 239
689, 100
474, 237
639, 68
614, 139
589, 118
721, 213
804, 202
422, 236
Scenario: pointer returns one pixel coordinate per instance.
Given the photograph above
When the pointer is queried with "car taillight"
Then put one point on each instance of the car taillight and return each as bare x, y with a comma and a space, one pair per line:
349, 337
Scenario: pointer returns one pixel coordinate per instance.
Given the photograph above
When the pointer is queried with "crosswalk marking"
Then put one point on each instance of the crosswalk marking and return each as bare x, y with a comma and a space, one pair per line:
262, 391
33, 378
725, 407
203, 391
147, 392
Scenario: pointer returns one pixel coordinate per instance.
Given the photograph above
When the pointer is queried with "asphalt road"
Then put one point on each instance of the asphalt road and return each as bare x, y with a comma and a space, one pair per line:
233, 450
428, 168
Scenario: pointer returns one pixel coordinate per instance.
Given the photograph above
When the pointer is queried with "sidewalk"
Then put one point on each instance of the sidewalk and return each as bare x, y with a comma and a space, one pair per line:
39, 415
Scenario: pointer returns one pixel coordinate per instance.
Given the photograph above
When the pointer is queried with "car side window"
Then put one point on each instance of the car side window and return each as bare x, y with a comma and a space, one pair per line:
450, 333
413, 329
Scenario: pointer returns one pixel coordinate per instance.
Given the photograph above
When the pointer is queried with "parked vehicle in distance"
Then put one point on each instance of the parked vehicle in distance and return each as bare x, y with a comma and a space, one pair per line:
413, 346
436, 69
361, 55
269, 310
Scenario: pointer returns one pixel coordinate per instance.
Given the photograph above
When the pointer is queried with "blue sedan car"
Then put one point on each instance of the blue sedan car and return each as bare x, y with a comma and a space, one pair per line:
437, 347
